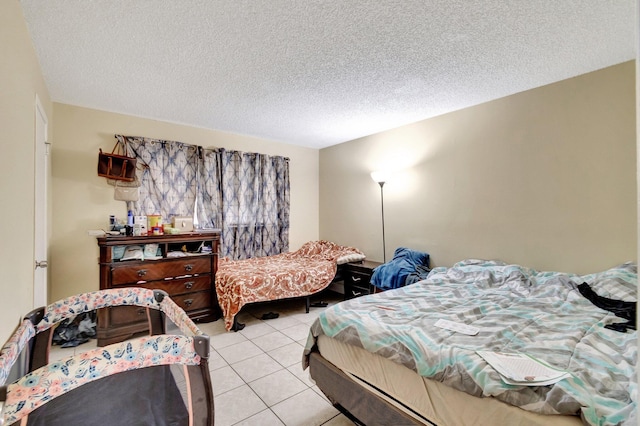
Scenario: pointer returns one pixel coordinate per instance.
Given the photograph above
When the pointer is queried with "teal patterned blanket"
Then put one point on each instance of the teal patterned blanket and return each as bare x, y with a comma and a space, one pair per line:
517, 309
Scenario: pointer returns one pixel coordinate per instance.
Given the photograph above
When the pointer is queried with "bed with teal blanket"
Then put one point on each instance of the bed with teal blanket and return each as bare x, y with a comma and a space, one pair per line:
516, 310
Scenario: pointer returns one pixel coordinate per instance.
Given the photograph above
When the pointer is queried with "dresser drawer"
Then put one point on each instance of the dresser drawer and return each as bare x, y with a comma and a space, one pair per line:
128, 273
357, 284
125, 315
359, 279
129, 315
188, 266
180, 285
193, 301
350, 292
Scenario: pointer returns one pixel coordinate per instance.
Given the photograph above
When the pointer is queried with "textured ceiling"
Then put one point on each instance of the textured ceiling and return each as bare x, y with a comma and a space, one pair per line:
316, 73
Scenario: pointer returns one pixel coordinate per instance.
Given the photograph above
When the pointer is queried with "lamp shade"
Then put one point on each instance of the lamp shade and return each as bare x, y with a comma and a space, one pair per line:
380, 176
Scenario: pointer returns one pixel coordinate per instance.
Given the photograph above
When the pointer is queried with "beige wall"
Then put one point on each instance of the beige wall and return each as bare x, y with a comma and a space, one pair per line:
83, 201
545, 178
20, 81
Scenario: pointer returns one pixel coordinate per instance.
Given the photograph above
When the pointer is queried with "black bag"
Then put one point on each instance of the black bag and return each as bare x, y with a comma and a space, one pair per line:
116, 166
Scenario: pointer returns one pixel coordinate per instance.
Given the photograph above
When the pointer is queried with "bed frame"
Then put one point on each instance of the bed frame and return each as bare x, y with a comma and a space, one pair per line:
361, 405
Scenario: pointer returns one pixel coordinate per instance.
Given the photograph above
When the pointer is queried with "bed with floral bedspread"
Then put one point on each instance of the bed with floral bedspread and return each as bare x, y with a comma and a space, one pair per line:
516, 309
300, 273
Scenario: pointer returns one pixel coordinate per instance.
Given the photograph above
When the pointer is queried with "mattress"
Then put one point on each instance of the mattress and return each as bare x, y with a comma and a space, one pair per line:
426, 399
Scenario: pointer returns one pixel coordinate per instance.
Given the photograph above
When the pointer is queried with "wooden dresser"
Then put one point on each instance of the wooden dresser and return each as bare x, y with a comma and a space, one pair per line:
183, 265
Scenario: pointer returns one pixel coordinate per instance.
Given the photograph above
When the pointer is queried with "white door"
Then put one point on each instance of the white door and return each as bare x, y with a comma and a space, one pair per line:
40, 221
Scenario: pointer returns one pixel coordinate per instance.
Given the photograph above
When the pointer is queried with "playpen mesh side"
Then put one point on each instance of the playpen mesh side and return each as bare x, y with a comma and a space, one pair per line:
146, 396
85, 302
48, 382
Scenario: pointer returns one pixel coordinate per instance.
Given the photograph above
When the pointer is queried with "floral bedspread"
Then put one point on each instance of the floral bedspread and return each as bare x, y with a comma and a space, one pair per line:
516, 309
299, 273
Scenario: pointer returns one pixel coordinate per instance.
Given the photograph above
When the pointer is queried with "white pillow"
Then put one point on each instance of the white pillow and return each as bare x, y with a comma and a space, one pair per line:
352, 257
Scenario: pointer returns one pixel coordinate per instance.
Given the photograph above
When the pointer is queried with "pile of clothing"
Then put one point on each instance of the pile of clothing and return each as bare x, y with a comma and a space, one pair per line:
76, 331
407, 267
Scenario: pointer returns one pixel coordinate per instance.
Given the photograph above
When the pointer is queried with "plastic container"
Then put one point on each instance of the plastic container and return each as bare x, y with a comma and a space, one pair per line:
154, 221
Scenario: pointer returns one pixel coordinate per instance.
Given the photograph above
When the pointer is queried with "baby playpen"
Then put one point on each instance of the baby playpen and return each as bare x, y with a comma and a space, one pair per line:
159, 379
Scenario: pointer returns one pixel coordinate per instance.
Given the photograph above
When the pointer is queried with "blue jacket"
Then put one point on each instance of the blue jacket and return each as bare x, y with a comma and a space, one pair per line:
394, 273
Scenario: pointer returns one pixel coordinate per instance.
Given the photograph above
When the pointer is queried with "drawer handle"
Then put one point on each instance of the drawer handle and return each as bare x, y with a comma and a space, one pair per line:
188, 267
188, 302
188, 284
356, 279
142, 272
141, 311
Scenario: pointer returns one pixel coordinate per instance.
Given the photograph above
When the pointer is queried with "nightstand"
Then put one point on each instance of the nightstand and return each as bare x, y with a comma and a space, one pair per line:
357, 278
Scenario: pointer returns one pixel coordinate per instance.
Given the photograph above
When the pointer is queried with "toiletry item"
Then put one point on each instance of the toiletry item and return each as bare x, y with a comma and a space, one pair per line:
141, 222
130, 218
154, 220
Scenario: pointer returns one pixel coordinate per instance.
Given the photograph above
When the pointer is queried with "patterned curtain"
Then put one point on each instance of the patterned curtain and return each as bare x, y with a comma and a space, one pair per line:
253, 195
246, 195
168, 176
209, 203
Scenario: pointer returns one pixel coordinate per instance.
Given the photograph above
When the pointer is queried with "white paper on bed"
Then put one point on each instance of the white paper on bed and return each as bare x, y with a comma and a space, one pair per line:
522, 369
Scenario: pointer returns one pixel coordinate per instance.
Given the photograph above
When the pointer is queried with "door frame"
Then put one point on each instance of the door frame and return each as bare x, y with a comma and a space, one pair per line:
41, 210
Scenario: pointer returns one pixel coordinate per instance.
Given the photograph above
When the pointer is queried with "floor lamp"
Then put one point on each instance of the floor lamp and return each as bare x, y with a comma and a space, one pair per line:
381, 178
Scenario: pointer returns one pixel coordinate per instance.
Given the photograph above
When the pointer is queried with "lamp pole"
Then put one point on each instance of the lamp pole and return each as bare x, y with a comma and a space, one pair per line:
381, 177
384, 249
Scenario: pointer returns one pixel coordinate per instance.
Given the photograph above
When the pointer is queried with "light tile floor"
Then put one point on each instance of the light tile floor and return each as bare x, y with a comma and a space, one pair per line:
257, 372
